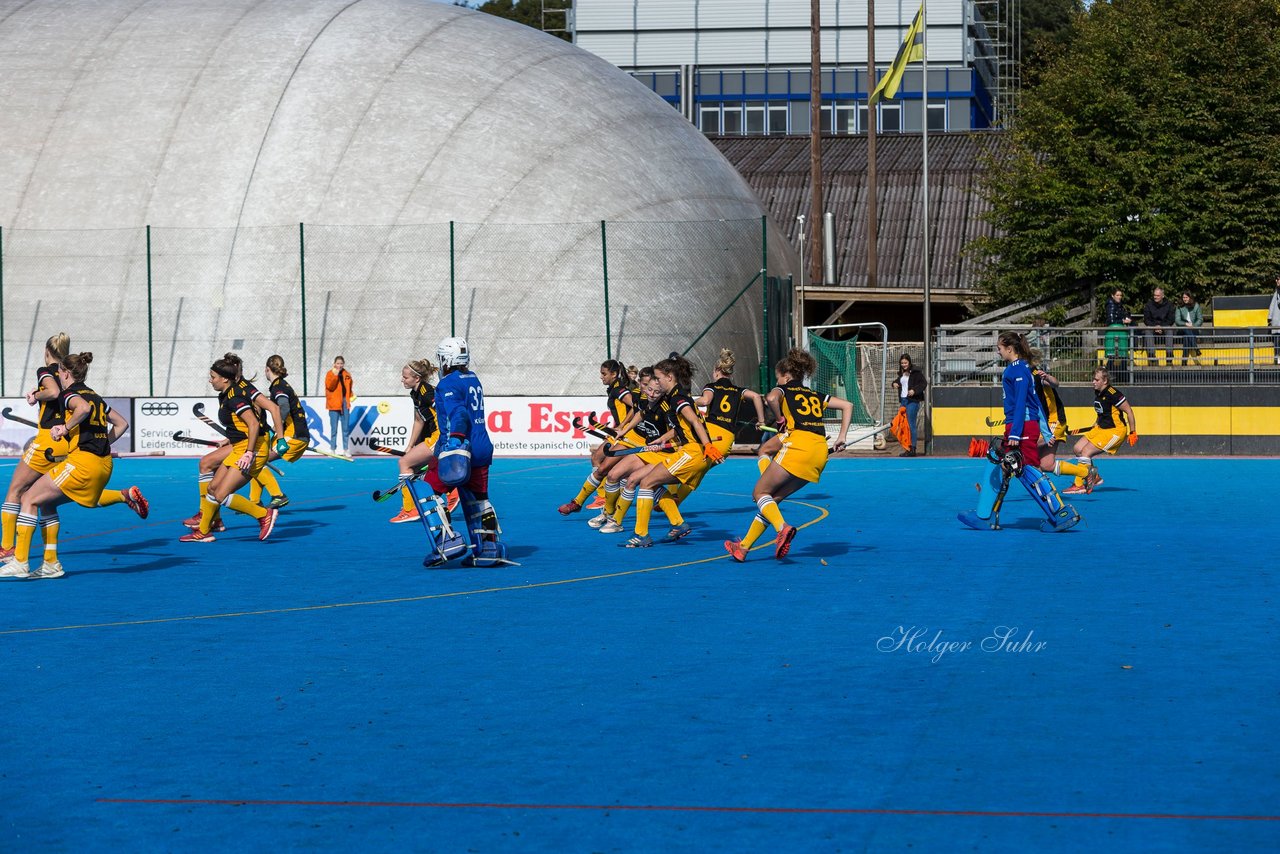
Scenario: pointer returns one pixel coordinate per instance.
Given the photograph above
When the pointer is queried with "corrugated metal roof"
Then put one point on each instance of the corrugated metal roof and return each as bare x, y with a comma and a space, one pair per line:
777, 168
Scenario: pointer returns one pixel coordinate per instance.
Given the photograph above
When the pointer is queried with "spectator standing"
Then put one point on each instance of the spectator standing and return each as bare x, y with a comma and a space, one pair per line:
339, 394
1157, 318
1189, 318
1273, 320
910, 384
1116, 346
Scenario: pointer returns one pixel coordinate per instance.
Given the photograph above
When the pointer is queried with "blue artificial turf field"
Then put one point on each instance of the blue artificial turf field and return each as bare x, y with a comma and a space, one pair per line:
322, 690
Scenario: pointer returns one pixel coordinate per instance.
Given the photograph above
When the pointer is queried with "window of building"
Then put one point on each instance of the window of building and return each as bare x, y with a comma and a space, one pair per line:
709, 119
731, 121
666, 84
777, 81
709, 83
890, 118
937, 115
731, 82
799, 111
846, 117
844, 83
754, 84
755, 117
777, 118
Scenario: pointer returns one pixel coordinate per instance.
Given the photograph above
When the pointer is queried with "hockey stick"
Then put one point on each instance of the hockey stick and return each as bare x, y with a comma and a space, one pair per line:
329, 454
625, 452
994, 422
17, 419
383, 449
198, 411
192, 440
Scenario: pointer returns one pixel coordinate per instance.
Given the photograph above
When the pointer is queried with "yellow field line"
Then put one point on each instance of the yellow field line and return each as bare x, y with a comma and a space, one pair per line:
823, 514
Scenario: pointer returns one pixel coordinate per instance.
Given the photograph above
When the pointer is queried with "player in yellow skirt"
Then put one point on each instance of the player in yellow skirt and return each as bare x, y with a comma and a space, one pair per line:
644, 426
693, 447
622, 404
1115, 423
89, 427
246, 458
294, 438
416, 377
802, 455
721, 400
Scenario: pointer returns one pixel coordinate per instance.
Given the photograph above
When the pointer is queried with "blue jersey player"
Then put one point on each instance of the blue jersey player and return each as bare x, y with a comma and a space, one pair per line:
464, 452
1019, 454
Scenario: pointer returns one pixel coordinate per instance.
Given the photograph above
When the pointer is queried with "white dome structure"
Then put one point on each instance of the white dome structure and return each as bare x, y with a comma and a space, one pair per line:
453, 171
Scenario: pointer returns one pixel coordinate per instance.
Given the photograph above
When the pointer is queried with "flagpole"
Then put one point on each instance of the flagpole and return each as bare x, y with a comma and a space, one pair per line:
928, 349
815, 161
873, 257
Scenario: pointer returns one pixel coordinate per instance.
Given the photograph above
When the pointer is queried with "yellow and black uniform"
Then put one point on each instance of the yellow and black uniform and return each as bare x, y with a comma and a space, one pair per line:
50, 414
1052, 412
722, 412
233, 403
87, 468
622, 399
295, 432
688, 458
423, 396
1110, 429
804, 440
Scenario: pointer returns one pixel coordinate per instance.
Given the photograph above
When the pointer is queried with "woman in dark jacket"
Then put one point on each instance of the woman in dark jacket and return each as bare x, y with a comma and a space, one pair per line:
910, 385
1117, 345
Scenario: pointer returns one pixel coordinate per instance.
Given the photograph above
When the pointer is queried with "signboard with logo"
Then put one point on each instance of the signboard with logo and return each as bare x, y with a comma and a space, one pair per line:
518, 426
14, 435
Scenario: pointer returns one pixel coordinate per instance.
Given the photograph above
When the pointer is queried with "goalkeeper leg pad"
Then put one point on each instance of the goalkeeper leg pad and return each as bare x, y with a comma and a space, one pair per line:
1060, 516
487, 549
446, 543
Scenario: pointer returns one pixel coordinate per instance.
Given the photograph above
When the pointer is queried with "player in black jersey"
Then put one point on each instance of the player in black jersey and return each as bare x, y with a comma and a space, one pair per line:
294, 437
1053, 427
803, 452
416, 377
1115, 422
645, 426
89, 427
721, 400
621, 404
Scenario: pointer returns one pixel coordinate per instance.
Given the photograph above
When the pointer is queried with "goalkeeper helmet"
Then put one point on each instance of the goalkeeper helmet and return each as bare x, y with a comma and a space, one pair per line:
452, 353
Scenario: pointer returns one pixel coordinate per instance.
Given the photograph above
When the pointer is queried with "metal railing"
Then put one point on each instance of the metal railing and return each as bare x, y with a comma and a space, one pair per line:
966, 355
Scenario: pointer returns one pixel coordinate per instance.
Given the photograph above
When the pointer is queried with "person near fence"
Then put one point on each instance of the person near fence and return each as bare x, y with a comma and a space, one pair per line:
1115, 421
1189, 318
1117, 339
245, 457
802, 456
1157, 323
416, 377
910, 384
89, 426
339, 394
1273, 320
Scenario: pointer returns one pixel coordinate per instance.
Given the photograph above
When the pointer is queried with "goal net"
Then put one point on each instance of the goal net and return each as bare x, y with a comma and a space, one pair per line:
853, 363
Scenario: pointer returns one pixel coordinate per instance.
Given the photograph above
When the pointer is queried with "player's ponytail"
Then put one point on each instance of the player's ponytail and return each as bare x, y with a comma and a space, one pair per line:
614, 367
58, 346
228, 367
797, 364
422, 368
679, 367
1017, 342
726, 362
275, 364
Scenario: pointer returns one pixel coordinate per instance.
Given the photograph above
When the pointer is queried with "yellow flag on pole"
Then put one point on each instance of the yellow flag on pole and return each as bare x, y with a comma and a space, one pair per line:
912, 50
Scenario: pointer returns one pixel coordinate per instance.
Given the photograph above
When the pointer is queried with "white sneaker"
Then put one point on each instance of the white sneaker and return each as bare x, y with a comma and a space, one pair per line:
15, 569
599, 521
611, 527
48, 570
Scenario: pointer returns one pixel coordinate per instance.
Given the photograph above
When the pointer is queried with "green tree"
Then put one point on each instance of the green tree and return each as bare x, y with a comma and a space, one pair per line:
527, 12
1148, 154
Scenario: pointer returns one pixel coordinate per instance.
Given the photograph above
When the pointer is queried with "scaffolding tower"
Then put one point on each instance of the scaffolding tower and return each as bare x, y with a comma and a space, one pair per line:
996, 26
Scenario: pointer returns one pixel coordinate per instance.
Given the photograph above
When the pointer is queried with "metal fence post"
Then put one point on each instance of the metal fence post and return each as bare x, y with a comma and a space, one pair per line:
764, 282
151, 347
302, 286
604, 261
453, 323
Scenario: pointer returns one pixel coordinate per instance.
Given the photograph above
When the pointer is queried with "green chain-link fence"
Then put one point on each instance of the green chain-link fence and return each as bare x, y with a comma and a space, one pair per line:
540, 304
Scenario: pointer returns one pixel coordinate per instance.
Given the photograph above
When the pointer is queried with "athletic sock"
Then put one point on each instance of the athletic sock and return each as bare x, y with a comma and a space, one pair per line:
49, 525
590, 485
269, 483
109, 497
769, 510
762, 462
758, 527
240, 504
406, 497
624, 503
685, 489
255, 491
667, 505
206, 478
26, 527
644, 509
9, 523
1076, 469
612, 489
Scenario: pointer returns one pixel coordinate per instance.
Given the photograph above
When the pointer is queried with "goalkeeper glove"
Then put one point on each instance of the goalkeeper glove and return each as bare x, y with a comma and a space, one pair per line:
714, 454
1133, 439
